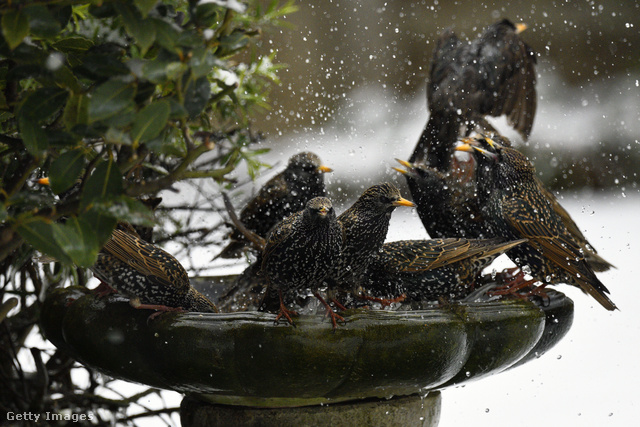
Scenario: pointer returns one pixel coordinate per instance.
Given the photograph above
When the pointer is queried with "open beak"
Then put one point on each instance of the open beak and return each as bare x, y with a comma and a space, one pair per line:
473, 148
324, 169
403, 202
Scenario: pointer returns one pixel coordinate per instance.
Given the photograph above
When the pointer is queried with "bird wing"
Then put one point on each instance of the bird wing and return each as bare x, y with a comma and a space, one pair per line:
443, 63
509, 82
415, 256
279, 234
596, 262
147, 259
551, 238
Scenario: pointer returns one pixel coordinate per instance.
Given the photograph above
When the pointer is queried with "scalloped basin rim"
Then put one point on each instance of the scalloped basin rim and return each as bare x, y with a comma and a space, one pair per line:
245, 359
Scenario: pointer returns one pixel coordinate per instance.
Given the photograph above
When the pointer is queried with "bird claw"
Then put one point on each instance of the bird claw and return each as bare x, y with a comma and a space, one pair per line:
102, 290
385, 302
286, 313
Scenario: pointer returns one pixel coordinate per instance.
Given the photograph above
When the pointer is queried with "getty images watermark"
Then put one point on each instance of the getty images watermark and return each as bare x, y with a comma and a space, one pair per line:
49, 416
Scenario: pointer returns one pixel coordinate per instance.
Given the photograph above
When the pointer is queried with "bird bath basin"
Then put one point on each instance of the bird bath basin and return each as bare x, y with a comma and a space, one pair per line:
245, 359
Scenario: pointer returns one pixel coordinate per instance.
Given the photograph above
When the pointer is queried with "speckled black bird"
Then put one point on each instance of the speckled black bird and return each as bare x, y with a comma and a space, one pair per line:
284, 194
426, 270
149, 276
364, 227
299, 252
596, 262
446, 201
515, 208
491, 75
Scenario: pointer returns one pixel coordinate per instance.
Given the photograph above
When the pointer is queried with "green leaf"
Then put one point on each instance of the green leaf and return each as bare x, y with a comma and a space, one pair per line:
150, 121
76, 111
15, 27
145, 6
124, 208
34, 137
233, 42
73, 44
65, 170
3, 212
109, 99
43, 103
143, 30
39, 234
117, 136
78, 240
166, 34
203, 61
101, 224
65, 78
41, 22
206, 14
196, 95
105, 183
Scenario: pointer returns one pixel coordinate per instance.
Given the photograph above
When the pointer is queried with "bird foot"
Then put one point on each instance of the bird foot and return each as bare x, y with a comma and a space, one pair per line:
286, 313
335, 317
102, 290
135, 303
338, 304
385, 302
513, 280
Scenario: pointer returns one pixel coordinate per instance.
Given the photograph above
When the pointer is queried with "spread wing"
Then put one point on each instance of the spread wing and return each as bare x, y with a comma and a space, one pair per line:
515, 80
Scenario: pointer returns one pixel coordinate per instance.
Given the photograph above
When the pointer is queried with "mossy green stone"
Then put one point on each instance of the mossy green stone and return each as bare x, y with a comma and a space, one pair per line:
245, 359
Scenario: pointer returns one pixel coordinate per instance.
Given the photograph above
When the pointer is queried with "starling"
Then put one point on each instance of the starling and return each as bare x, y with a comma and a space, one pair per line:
596, 262
514, 207
446, 201
151, 277
299, 252
426, 270
364, 229
284, 194
491, 75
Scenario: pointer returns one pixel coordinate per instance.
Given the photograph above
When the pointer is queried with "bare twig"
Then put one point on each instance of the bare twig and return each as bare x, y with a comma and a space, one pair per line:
257, 240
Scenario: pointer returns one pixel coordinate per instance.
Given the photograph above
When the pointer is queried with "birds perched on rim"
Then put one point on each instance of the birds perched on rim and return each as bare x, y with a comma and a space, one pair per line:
596, 262
492, 75
150, 276
282, 195
364, 228
426, 270
299, 252
514, 207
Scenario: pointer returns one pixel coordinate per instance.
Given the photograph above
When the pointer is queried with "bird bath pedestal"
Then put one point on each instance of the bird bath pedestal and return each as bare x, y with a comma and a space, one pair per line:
243, 369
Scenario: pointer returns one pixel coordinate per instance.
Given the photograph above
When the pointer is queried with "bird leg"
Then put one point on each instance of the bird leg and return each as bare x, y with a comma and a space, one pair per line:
103, 289
284, 311
385, 302
512, 282
135, 303
330, 311
338, 304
